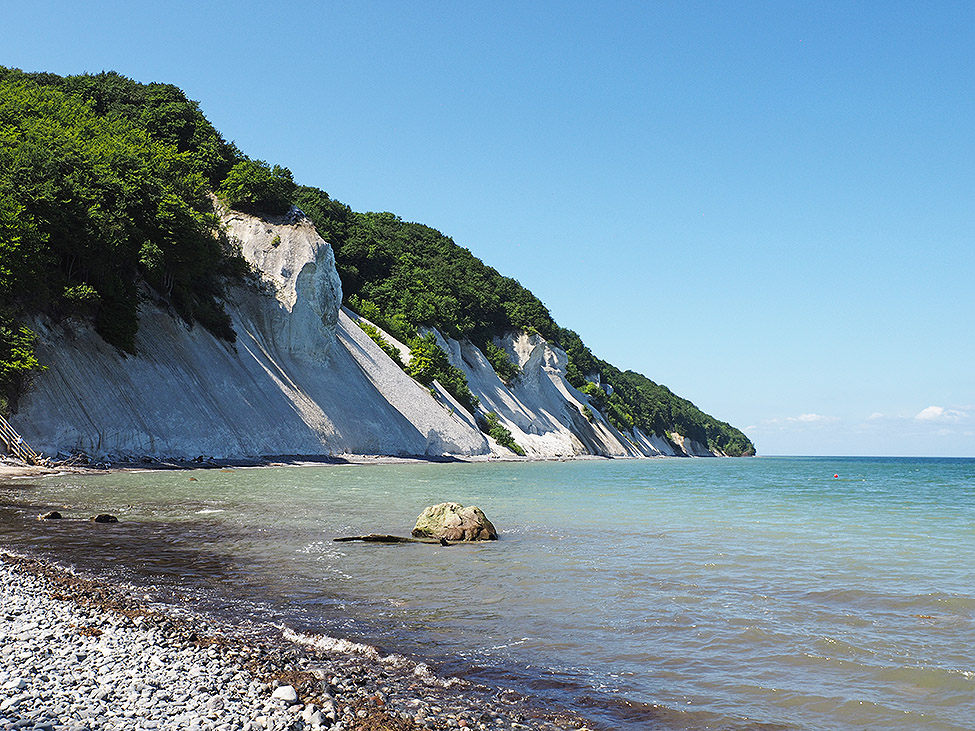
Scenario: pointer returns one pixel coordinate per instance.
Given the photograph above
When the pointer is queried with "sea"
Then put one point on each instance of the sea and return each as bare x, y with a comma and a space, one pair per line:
827, 594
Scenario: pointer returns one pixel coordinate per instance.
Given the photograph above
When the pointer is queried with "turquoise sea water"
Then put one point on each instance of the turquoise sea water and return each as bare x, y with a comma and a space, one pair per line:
669, 593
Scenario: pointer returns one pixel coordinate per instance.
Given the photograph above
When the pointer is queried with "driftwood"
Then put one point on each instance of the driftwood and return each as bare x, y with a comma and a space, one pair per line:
380, 538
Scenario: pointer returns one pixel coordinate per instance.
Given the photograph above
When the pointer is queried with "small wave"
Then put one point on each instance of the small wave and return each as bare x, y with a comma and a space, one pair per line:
835, 647
207, 511
513, 643
347, 647
331, 644
422, 671
40, 477
326, 553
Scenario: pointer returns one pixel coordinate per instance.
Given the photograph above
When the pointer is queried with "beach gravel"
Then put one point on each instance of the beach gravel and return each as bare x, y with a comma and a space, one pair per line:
79, 655
64, 666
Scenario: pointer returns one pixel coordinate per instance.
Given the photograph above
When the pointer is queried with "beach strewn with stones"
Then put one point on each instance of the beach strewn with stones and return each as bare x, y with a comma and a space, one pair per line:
78, 654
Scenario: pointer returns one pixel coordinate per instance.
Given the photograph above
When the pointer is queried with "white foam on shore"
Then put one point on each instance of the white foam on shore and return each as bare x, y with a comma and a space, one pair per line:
331, 644
347, 647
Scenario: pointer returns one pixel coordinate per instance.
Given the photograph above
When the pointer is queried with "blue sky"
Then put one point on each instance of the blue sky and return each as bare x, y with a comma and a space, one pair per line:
766, 206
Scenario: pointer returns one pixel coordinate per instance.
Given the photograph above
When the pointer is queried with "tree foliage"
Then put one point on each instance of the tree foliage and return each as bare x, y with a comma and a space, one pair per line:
253, 186
104, 186
332, 218
161, 110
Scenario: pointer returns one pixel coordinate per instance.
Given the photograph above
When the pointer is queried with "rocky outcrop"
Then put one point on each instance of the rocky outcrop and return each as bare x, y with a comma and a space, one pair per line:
691, 448
454, 522
297, 268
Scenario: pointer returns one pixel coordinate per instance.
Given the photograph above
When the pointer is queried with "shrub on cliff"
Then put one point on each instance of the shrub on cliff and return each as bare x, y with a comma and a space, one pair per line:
377, 337
428, 362
17, 362
501, 434
500, 362
397, 325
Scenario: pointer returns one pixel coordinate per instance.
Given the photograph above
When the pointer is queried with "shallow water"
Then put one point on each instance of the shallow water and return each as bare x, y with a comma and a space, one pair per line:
647, 593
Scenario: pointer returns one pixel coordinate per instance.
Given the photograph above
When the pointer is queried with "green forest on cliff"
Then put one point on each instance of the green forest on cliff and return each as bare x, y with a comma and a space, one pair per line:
105, 194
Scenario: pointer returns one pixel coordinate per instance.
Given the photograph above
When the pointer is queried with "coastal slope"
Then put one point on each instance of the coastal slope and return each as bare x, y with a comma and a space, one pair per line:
302, 378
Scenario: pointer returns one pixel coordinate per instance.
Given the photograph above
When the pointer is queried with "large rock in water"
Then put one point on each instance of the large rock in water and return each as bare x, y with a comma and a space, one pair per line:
454, 522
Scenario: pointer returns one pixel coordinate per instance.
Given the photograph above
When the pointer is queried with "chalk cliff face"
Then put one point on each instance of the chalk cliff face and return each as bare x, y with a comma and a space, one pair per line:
298, 269
544, 413
302, 379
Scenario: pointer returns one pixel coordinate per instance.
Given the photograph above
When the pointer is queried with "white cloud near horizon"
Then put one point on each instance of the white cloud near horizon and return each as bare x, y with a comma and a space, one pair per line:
801, 419
812, 418
939, 413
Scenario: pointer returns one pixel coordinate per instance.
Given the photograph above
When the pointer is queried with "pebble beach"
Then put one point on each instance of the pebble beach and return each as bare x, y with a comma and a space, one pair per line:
77, 654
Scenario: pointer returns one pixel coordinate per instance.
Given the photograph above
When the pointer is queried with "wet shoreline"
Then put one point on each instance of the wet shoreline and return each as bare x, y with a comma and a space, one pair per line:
11, 468
380, 691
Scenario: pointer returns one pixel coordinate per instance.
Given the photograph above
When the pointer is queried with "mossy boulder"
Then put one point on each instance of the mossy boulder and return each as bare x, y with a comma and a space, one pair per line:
454, 522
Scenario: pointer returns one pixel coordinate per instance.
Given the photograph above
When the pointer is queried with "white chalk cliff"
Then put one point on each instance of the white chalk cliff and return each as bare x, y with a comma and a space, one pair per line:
302, 379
